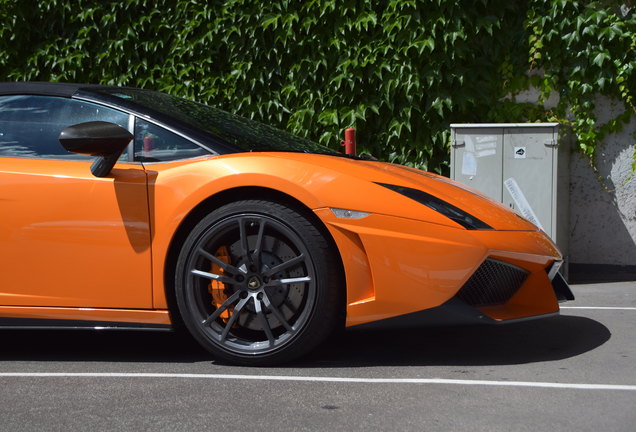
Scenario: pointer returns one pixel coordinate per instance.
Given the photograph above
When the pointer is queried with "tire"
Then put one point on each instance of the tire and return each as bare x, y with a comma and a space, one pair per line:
258, 284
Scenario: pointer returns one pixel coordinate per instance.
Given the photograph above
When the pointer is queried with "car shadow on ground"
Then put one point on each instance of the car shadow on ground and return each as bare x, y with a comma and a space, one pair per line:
541, 340
100, 345
526, 342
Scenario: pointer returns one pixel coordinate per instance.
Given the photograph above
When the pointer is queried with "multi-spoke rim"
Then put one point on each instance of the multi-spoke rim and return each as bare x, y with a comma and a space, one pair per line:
267, 278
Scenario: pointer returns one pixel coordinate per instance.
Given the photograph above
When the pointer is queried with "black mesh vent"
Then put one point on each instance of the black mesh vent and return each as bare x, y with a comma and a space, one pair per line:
493, 283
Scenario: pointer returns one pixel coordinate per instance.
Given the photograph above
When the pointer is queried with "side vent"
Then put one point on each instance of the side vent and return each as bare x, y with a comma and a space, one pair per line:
494, 283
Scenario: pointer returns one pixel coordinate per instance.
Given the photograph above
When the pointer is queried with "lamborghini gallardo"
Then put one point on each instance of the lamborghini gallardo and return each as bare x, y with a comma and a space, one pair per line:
131, 209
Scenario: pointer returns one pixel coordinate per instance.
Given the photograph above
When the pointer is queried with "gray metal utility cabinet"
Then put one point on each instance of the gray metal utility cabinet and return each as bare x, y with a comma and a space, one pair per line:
522, 165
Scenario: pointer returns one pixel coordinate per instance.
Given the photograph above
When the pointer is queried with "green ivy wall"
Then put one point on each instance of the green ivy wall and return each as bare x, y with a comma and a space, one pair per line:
398, 71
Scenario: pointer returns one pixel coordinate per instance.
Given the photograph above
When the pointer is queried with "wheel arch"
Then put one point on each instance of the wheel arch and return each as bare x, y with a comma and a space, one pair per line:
225, 197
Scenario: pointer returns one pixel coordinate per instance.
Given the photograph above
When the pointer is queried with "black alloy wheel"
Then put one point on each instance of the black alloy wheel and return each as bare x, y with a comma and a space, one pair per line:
257, 283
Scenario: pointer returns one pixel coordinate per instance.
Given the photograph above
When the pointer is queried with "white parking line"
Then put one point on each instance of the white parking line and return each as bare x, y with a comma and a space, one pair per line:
578, 386
598, 307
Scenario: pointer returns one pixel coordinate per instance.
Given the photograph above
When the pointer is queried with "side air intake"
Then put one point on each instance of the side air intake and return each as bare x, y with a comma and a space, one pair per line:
494, 283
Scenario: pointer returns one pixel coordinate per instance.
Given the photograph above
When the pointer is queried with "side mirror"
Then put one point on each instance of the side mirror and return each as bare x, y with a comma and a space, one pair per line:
104, 140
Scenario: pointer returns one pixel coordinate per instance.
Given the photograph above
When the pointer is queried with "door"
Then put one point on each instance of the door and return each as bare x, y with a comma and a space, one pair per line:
68, 239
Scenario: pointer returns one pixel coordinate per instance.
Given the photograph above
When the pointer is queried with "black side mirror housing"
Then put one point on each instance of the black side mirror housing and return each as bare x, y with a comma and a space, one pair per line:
104, 140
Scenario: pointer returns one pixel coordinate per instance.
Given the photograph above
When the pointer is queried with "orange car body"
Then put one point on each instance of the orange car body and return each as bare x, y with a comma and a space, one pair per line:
125, 208
77, 247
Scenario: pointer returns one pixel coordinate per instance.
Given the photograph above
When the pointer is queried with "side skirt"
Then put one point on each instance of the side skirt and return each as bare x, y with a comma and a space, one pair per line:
34, 317
54, 324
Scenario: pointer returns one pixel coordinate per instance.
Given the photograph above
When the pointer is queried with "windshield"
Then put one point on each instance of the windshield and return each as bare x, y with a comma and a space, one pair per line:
239, 132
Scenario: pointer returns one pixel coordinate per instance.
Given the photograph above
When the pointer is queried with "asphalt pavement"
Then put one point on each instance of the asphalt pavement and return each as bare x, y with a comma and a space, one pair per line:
573, 372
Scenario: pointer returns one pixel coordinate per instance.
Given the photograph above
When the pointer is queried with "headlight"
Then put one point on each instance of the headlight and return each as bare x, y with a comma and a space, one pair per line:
463, 218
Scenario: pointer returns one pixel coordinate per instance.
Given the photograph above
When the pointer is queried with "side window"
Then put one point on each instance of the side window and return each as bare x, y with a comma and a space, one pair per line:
30, 125
156, 144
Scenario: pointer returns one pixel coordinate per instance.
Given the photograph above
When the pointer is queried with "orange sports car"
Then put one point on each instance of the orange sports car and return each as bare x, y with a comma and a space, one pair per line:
126, 208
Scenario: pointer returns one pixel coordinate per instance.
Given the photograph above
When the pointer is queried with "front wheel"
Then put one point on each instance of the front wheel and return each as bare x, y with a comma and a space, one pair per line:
257, 283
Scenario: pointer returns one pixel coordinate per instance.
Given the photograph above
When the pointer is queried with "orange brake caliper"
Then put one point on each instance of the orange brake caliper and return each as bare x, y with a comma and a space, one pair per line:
217, 289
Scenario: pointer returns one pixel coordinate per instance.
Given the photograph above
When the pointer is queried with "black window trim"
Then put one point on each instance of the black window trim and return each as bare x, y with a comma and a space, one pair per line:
147, 118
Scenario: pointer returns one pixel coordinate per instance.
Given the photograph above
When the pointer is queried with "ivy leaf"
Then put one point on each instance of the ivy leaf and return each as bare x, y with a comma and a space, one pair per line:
328, 117
270, 20
600, 59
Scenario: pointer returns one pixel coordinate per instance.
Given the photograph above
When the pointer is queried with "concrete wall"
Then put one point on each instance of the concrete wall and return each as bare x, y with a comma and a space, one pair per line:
602, 215
603, 222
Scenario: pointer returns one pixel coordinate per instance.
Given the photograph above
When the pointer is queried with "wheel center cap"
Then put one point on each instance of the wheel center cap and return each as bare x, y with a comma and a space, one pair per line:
254, 283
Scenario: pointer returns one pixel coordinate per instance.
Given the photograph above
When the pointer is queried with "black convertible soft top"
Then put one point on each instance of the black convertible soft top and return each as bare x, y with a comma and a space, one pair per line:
221, 132
43, 88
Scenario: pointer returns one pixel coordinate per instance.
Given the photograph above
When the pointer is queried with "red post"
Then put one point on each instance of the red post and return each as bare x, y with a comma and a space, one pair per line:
148, 143
349, 142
